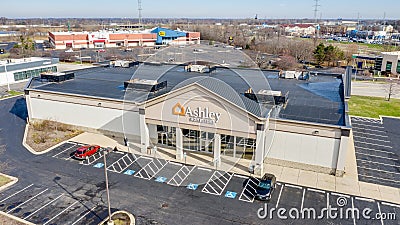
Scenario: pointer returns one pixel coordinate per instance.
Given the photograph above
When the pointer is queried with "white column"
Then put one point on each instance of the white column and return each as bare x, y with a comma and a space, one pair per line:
217, 149
179, 144
260, 150
144, 132
342, 154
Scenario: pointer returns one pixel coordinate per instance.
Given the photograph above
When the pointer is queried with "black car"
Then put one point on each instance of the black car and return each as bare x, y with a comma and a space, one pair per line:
266, 187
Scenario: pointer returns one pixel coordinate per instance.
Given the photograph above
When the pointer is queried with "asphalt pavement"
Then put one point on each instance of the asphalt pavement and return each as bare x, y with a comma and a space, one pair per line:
54, 188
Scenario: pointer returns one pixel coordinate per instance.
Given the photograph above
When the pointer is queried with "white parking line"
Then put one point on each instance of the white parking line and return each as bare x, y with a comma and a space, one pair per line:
377, 156
352, 206
23, 203
380, 213
384, 171
340, 195
159, 169
43, 206
315, 190
145, 157
175, 163
390, 204
369, 134
240, 176
327, 200
368, 143
17, 193
279, 196
385, 164
373, 139
376, 150
372, 131
293, 186
205, 169
379, 178
243, 196
212, 181
302, 200
186, 174
84, 216
367, 125
48, 221
365, 199
55, 156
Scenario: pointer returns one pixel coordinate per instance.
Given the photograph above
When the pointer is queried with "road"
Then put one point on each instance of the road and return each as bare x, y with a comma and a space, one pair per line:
374, 89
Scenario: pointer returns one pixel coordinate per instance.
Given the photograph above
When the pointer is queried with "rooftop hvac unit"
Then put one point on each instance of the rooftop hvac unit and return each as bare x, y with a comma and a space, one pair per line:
145, 85
57, 77
268, 96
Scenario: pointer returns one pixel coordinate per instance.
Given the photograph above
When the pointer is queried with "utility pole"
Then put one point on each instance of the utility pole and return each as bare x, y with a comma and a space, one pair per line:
140, 13
316, 6
110, 222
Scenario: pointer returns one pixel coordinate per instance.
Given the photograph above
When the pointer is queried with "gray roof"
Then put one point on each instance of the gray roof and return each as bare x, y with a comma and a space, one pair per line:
318, 100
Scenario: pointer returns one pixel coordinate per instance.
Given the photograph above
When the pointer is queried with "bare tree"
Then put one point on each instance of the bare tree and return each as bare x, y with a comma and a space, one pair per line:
393, 88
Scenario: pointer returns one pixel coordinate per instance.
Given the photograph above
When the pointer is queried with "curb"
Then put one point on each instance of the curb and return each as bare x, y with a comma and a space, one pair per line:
14, 180
31, 150
16, 218
1, 99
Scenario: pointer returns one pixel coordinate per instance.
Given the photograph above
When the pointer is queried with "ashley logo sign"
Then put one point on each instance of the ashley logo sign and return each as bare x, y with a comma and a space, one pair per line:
199, 114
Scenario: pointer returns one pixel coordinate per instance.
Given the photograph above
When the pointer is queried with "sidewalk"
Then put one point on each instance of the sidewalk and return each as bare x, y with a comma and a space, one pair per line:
348, 184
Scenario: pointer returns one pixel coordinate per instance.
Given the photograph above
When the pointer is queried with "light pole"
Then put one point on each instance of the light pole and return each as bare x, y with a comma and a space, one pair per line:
8, 83
110, 222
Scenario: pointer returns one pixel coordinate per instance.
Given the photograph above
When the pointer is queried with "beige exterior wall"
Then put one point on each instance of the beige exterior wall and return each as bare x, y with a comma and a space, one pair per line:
390, 58
232, 120
84, 112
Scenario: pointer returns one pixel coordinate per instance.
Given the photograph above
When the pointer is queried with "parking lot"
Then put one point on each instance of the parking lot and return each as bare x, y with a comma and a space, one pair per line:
50, 205
376, 154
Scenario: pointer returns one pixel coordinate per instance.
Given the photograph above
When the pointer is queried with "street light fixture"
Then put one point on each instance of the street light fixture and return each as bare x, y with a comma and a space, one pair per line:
8, 83
109, 222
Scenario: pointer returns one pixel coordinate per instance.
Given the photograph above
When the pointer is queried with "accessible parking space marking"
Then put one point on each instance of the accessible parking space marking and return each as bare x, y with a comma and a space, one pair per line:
129, 172
169, 170
249, 191
192, 186
151, 169
93, 158
181, 175
230, 194
217, 183
121, 164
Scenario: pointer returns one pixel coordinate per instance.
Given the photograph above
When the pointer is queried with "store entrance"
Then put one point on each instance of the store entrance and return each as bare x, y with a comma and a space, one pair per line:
200, 141
166, 136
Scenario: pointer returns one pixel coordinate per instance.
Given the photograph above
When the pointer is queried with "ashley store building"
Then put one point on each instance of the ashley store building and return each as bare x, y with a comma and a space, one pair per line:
238, 114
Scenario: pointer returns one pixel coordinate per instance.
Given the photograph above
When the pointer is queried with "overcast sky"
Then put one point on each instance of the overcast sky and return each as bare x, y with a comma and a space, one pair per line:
368, 9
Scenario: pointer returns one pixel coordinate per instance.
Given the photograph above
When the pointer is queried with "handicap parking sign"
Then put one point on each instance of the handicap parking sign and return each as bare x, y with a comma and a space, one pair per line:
129, 172
99, 165
230, 194
161, 179
192, 186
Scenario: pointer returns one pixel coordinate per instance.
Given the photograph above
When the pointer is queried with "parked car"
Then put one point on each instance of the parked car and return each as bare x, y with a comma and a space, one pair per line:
266, 187
85, 151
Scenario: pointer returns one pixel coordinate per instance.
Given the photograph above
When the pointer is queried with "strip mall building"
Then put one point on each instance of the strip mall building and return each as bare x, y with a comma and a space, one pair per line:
112, 39
228, 114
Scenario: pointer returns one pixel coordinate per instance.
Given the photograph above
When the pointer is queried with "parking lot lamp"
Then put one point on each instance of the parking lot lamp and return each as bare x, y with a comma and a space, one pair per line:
109, 222
8, 83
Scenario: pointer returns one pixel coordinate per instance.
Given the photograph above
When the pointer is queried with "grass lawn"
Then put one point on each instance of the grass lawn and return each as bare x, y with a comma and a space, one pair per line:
4, 180
373, 107
11, 93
